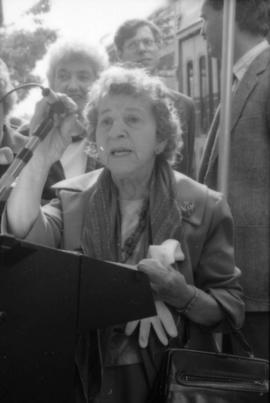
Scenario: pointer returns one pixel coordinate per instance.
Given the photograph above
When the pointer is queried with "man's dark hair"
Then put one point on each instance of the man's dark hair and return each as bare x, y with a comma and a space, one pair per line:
251, 15
129, 28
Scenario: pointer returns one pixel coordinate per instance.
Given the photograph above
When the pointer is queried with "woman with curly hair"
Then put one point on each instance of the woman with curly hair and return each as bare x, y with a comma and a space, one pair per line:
123, 213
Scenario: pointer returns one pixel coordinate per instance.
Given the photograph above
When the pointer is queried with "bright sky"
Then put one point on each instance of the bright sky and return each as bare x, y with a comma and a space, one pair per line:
95, 18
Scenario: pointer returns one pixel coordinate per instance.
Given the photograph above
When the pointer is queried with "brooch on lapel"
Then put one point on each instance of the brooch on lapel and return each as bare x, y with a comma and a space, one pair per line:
187, 208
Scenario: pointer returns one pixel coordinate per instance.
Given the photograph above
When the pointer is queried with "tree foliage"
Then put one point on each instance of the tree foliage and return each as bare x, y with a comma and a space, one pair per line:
42, 6
21, 47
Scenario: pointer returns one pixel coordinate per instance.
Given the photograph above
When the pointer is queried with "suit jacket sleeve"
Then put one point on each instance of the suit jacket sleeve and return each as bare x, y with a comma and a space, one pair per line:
216, 272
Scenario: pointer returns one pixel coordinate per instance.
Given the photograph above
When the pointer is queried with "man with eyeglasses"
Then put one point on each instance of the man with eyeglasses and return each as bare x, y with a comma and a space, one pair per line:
139, 41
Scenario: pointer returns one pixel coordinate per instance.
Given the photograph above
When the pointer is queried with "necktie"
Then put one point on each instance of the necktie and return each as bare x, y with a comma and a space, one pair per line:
234, 83
75, 139
79, 137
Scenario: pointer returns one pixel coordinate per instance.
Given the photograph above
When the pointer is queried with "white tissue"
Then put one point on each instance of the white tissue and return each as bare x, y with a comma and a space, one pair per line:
168, 252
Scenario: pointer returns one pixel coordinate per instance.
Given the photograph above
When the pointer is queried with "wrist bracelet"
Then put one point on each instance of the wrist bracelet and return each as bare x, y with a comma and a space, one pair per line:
190, 303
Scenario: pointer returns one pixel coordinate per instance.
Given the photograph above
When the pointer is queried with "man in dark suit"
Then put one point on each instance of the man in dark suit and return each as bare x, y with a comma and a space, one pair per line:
138, 41
249, 174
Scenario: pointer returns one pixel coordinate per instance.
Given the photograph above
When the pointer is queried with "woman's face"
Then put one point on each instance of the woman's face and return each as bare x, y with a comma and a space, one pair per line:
126, 135
74, 77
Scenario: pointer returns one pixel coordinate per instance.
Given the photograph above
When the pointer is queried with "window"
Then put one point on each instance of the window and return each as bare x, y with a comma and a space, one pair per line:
203, 96
190, 79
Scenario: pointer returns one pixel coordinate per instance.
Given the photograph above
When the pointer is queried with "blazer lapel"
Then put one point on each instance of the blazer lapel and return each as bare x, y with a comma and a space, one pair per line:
247, 86
240, 98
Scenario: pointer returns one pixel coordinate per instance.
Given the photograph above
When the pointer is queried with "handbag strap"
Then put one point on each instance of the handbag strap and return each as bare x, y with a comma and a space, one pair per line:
238, 336
203, 338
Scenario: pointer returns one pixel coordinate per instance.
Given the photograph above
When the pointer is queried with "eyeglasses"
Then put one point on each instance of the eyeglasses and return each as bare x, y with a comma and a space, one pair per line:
134, 45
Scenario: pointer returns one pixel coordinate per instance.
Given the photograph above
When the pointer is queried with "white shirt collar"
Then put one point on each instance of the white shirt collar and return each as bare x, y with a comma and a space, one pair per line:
242, 64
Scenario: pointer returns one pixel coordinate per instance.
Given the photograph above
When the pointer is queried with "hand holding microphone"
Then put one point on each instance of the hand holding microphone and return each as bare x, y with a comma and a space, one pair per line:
51, 129
54, 123
54, 107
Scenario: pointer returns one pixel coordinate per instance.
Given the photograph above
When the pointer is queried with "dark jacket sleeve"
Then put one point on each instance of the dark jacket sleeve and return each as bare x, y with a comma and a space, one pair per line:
216, 272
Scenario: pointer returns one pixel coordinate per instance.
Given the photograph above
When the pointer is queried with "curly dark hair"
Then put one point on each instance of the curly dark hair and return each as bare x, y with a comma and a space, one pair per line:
251, 15
136, 82
129, 28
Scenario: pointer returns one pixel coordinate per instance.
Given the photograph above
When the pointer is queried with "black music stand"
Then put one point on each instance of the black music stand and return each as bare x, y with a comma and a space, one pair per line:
46, 297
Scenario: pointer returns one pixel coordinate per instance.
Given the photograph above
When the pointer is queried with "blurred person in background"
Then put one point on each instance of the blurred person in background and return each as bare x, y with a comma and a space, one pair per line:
249, 163
139, 41
71, 68
10, 140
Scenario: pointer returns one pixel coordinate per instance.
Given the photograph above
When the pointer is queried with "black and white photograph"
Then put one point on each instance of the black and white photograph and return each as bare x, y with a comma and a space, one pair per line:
134, 201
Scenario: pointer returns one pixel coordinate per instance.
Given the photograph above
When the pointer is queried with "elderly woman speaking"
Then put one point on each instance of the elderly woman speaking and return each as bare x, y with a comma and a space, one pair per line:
137, 211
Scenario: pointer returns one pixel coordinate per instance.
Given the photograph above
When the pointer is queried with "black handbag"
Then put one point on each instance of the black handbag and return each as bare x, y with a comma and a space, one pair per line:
194, 376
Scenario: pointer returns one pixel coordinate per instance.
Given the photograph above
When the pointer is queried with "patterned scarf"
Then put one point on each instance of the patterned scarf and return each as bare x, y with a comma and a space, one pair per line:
100, 235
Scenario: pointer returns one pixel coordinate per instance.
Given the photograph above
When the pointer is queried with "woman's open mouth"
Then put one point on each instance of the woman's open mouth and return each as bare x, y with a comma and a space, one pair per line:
120, 152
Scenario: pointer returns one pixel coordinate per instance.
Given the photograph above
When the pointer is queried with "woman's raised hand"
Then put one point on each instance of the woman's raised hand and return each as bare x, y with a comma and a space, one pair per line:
65, 126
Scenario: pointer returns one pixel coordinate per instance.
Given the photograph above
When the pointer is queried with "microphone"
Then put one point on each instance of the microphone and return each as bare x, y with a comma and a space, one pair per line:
56, 105
26, 153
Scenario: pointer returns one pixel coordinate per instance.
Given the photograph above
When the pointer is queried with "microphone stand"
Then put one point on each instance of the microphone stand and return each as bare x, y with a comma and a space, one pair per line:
26, 152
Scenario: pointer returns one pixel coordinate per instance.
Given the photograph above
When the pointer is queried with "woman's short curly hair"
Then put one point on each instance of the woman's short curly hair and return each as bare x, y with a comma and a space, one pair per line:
5, 86
129, 29
136, 82
65, 50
